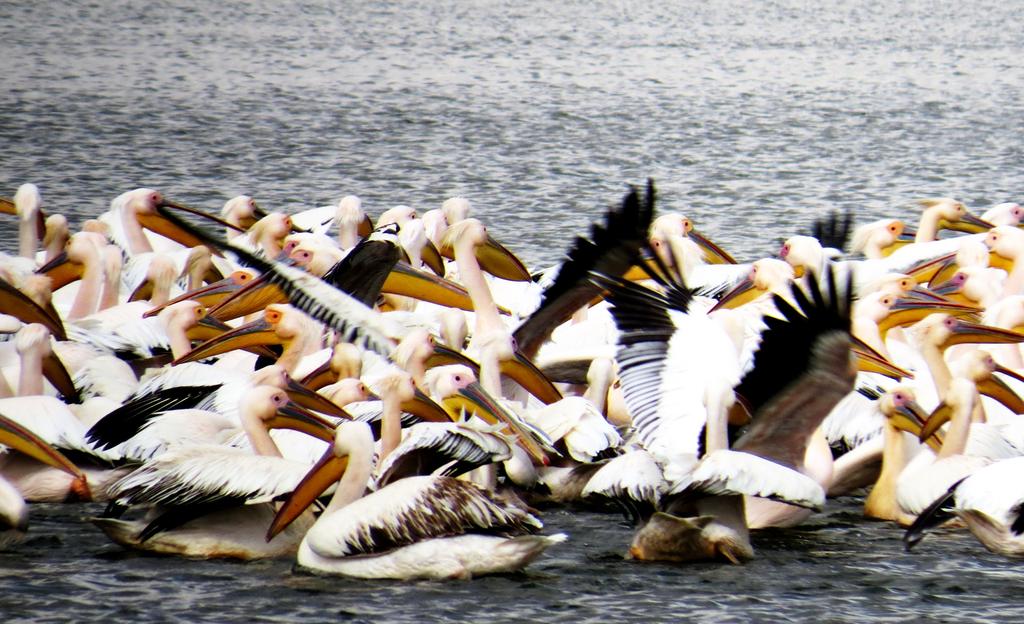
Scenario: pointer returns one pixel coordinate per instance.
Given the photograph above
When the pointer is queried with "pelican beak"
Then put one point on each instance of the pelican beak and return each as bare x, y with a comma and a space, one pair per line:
410, 282
944, 274
444, 355
57, 374
257, 333
425, 408
294, 417
167, 224
712, 252
951, 289
968, 332
525, 373
365, 227
433, 259
942, 414
907, 311
61, 271
19, 305
196, 212
327, 471
498, 261
209, 328
999, 261
7, 206
909, 417
926, 270
210, 295
142, 292
473, 399
967, 223
997, 389
322, 376
741, 293
637, 273
24, 441
870, 361
256, 295
311, 400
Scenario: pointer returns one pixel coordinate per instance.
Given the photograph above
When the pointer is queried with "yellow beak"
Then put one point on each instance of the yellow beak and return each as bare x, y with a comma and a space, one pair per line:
326, 472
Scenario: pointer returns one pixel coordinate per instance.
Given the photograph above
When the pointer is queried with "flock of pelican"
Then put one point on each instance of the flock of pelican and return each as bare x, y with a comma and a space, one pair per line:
397, 399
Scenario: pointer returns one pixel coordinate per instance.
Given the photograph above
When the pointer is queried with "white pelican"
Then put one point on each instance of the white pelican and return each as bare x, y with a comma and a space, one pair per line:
988, 501
418, 527
214, 501
15, 439
808, 357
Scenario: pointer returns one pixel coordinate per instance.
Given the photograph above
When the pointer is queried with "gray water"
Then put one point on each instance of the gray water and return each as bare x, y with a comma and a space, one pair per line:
752, 119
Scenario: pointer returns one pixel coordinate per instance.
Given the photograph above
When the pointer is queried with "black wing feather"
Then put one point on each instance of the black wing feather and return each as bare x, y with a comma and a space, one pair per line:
611, 249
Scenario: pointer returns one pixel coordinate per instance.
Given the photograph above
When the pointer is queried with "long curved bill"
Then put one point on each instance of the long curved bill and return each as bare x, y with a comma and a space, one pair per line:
712, 252
944, 274
425, 408
496, 260
871, 361
473, 399
952, 289
433, 258
365, 227
61, 271
999, 261
409, 282
525, 373
205, 215
444, 355
257, 333
907, 311
967, 332
940, 416
251, 297
968, 223
743, 292
22, 307
297, 418
924, 271
167, 224
210, 295
57, 374
327, 471
24, 441
911, 418
317, 402
320, 377
209, 328
997, 389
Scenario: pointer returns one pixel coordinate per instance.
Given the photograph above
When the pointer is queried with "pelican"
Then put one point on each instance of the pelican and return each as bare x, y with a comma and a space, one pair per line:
211, 501
988, 501
13, 510
420, 527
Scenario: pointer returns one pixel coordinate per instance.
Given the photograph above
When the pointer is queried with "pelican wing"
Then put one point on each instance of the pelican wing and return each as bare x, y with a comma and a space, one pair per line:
448, 449
787, 345
204, 474
732, 472
661, 386
361, 273
128, 420
353, 321
611, 250
634, 476
413, 510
